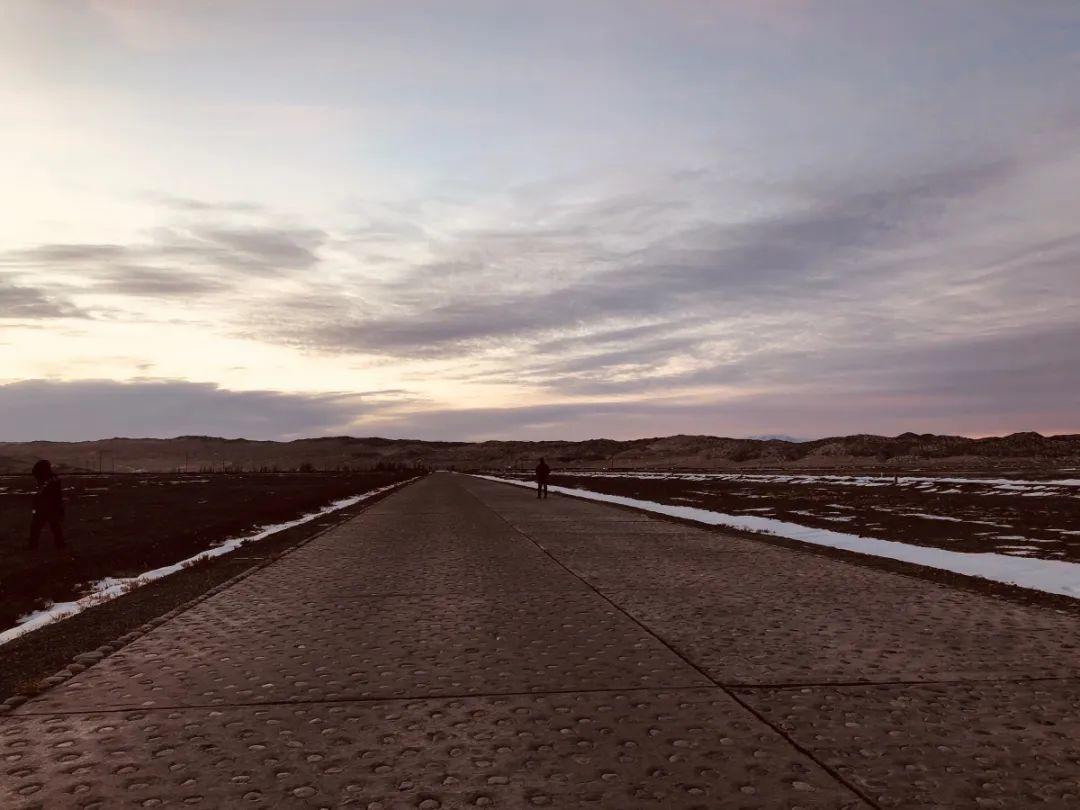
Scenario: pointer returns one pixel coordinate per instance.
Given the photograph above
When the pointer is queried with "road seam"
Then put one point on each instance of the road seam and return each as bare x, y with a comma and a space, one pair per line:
856, 684
386, 699
798, 747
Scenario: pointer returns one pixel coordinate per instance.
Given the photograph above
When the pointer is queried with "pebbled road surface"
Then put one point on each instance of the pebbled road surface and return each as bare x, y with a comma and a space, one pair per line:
462, 644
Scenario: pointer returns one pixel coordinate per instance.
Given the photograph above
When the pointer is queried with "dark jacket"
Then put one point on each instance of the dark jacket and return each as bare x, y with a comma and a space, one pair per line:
542, 472
49, 499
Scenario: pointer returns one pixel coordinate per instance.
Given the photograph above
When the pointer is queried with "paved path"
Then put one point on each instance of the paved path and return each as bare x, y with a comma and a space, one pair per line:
461, 644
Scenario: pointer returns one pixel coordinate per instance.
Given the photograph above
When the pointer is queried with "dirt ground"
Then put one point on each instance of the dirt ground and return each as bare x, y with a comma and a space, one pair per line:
124, 524
1031, 517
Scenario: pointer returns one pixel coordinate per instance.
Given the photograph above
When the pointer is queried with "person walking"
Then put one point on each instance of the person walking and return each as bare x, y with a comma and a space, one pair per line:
543, 472
48, 506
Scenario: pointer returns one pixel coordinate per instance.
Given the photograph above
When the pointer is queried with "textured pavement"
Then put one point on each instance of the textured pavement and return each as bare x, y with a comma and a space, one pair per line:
461, 644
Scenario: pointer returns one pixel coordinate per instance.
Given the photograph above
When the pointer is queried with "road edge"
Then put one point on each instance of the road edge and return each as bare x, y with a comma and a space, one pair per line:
84, 660
986, 587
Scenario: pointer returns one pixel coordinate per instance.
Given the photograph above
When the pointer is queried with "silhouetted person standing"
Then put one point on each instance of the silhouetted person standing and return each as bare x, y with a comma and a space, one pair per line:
543, 472
48, 505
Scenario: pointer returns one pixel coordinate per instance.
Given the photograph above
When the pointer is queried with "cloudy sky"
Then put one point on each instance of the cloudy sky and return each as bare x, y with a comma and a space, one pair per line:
539, 220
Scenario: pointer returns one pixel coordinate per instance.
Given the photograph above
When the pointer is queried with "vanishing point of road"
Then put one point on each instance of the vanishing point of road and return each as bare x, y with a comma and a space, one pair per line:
461, 644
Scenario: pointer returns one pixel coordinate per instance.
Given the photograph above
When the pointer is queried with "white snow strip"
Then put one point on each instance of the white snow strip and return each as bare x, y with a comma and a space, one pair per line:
1049, 576
105, 590
954, 519
840, 518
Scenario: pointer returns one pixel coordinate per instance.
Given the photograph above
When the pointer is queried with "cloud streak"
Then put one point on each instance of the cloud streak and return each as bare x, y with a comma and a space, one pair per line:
258, 250
20, 302
717, 268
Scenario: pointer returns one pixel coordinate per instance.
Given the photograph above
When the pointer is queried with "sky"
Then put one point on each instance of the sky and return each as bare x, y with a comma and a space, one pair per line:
538, 220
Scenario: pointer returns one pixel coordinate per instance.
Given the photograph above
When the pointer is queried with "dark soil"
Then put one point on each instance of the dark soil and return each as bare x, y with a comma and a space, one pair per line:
25, 661
124, 524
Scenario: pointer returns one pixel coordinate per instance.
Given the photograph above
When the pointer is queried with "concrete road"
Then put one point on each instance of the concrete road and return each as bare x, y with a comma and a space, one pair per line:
461, 644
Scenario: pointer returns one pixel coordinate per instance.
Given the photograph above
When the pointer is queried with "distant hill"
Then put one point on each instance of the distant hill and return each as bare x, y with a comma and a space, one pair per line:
204, 453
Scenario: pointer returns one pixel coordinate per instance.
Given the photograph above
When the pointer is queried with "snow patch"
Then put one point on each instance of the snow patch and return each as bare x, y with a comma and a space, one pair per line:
954, 519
